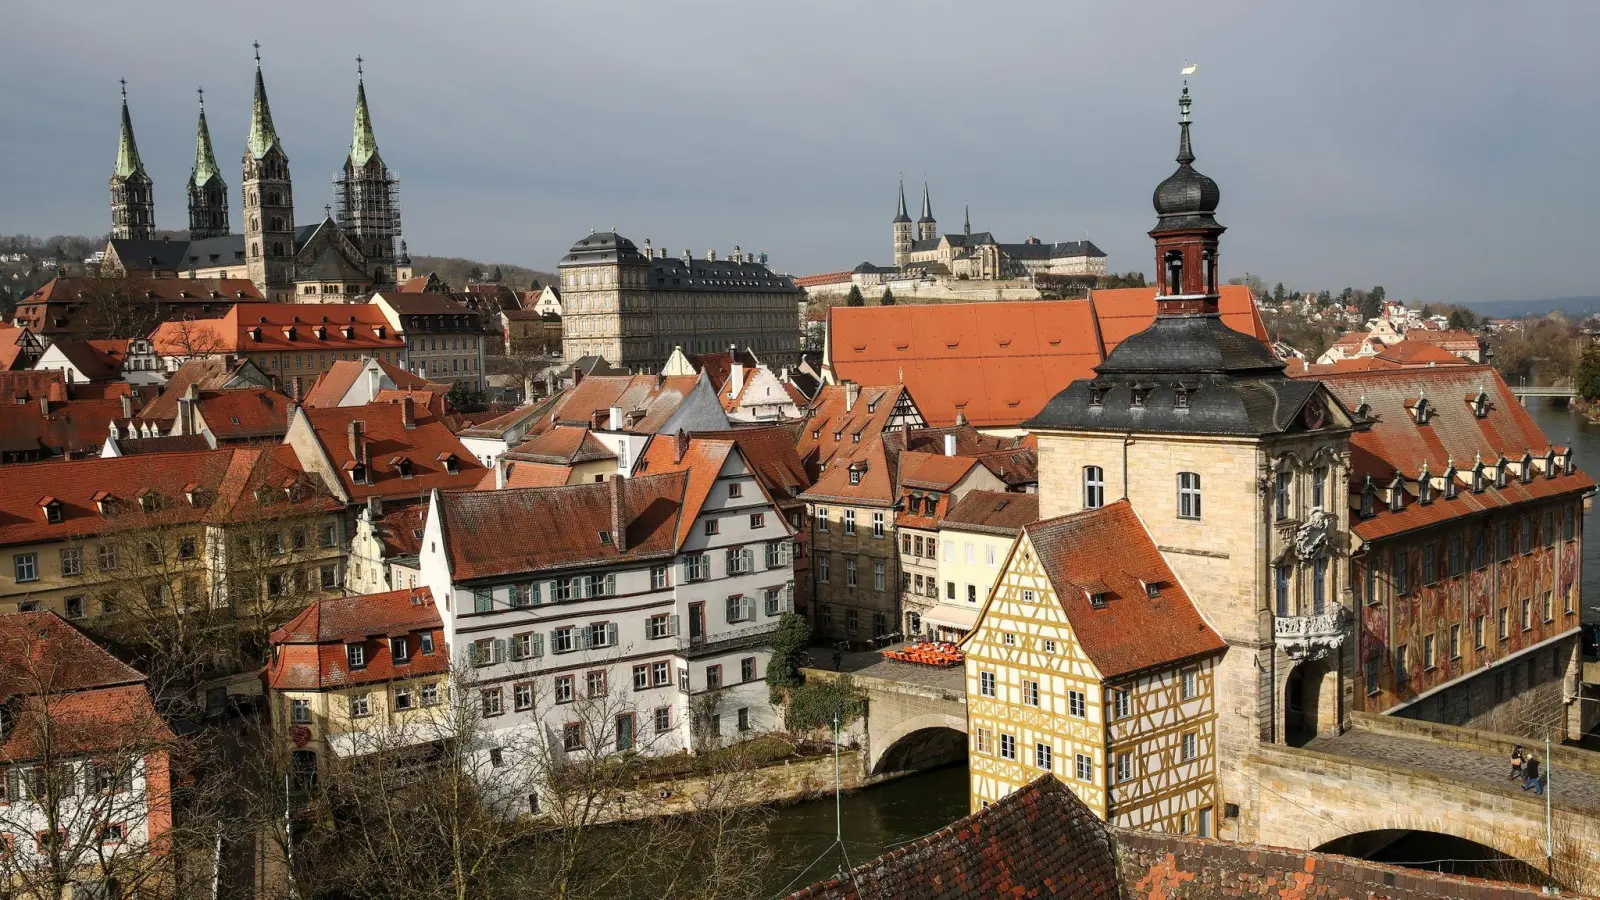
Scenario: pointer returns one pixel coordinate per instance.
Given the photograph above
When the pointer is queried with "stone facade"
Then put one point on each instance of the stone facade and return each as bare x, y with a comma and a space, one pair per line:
854, 588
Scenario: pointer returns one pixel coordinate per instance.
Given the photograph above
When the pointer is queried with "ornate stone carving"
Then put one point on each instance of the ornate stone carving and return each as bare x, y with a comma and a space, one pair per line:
1310, 637
1311, 539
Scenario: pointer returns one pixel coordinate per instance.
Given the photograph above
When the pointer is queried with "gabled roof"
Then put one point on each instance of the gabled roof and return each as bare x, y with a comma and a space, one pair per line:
71, 426
829, 432
522, 418
993, 512
309, 652
719, 366
238, 414
1396, 444
210, 373
332, 385
97, 360
226, 477
266, 327
528, 474
771, 456
28, 385
562, 446
43, 648
701, 459
388, 441
400, 530
560, 527
933, 471
1038, 841
1108, 549
875, 485
998, 364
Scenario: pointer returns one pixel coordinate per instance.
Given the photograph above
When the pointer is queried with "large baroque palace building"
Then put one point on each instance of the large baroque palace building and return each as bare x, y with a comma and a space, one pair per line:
342, 258
633, 307
920, 249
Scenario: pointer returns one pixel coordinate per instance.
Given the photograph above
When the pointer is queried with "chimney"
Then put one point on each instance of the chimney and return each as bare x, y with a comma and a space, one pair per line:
949, 445
186, 403
619, 522
688, 256
44, 404
736, 379
905, 434
852, 393
127, 405
358, 446
375, 507
289, 411
500, 473
711, 255
648, 253
408, 412
961, 418
614, 419
374, 381
682, 444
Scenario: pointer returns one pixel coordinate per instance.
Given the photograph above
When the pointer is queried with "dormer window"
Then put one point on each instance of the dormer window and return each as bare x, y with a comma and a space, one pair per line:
1500, 472
1369, 494
605, 538
52, 510
855, 475
1478, 482
1136, 401
1527, 468
358, 473
193, 494
1550, 463
452, 465
255, 334
402, 465
1425, 488
1421, 410
149, 502
1180, 400
1098, 599
1450, 483
1571, 464
289, 332
1397, 493
1480, 405
1151, 588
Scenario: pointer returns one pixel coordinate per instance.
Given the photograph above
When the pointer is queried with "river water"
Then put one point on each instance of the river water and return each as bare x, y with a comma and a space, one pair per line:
881, 818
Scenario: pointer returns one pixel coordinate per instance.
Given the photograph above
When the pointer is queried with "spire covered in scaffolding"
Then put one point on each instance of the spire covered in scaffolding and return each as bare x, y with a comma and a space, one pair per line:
366, 193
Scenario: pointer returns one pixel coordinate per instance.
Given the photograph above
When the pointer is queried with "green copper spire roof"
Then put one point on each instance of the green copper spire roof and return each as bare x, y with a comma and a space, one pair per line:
128, 162
364, 145
205, 162
262, 136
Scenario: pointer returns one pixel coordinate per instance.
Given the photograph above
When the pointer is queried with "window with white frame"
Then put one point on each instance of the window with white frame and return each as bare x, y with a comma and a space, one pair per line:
660, 673
849, 521
658, 578
658, 626
1188, 495
522, 696
26, 566
360, 705
1122, 703
564, 639
877, 524
1030, 693
877, 574
1084, 767
300, 712
740, 609
1191, 684
1191, 745
430, 694
1124, 767
1094, 487
1077, 704
1008, 746
849, 571
773, 602
986, 684
602, 635
1042, 756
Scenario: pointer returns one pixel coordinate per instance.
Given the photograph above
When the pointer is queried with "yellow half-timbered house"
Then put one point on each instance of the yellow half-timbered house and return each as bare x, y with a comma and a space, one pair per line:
1089, 660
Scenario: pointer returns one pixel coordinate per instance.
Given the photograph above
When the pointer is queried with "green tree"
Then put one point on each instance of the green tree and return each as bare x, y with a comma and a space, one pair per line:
1586, 375
1324, 298
1371, 305
1378, 295
791, 637
464, 399
855, 298
888, 297
1277, 293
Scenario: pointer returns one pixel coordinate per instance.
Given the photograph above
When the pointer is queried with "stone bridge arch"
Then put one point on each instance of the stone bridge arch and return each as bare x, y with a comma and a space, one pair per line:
897, 744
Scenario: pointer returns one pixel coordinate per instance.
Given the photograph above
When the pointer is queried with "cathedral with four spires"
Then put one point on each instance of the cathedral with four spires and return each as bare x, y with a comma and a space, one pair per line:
355, 249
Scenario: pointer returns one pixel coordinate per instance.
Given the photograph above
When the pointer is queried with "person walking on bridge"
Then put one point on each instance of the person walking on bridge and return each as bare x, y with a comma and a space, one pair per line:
1518, 757
1532, 780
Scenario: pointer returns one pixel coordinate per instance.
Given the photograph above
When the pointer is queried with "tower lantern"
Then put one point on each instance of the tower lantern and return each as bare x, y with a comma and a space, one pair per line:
1186, 231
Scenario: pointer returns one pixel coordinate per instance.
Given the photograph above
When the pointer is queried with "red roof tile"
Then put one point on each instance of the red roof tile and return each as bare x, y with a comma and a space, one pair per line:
805, 281
562, 446
994, 512
211, 373
309, 652
280, 327
332, 385
239, 414
1108, 549
72, 427
771, 456
832, 433
388, 442
1396, 443
560, 527
997, 364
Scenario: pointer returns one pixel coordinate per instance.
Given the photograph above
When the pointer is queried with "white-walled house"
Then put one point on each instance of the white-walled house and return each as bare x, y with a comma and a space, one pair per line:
653, 598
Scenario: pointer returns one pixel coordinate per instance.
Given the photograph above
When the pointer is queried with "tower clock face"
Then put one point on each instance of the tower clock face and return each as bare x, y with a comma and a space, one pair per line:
1314, 416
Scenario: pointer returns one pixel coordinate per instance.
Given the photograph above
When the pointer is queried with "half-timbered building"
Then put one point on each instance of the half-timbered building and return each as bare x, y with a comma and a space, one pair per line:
1089, 660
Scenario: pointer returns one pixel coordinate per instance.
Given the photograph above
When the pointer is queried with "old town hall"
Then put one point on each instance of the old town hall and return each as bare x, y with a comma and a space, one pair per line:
342, 258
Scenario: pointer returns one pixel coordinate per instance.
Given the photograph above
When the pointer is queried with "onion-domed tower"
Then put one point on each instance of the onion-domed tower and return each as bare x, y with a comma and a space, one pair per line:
1186, 231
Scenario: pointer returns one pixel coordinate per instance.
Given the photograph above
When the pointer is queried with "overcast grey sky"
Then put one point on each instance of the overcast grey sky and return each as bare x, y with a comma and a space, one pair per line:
1446, 150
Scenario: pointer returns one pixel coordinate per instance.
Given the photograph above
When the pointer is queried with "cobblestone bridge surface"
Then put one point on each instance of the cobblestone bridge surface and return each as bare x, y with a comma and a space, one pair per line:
1570, 790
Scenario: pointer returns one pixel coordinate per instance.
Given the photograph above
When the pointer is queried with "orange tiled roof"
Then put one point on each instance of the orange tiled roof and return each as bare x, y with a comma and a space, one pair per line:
562, 446
771, 456
997, 364
701, 459
70, 427
805, 281
1108, 550
832, 433
209, 373
1395, 443
226, 476
388, 441
560, 527
309, 652
279, 327
238, 414
994, 511
647, 401
528, 474
332, 385
875, 483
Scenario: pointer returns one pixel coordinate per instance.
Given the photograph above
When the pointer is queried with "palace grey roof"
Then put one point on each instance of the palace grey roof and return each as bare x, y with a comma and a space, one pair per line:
717, 275
1059, 250
602, 247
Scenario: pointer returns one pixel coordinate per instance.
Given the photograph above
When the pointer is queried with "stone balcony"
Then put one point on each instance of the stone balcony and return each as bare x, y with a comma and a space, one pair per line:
1311, 637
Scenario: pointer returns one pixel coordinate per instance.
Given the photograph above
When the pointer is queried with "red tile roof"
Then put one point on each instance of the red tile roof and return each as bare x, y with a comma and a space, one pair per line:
702, 459
400, 530
388, 441
29, 385
239, 414
281, 327
1036, 842
993, 512
13, 341
1395, 443
1108, 549
227, 476
209, 373
528, 474
997, 363
53, 676
647, 401
73, 427
805, 281
560, 527
332, 385
875, 484
771, 456
831, 433
97, 360
562, 446
309, 652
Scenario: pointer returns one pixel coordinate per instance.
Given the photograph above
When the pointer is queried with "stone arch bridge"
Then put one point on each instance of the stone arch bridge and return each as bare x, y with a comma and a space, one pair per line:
1384, 775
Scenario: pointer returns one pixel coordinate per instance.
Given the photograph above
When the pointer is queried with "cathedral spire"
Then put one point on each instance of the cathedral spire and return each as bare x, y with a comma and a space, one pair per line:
900, 212
262, 135
364, 145
128, 162
927, 205
205, 161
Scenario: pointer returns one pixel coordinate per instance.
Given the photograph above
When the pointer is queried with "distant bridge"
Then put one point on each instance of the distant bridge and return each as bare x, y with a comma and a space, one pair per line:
1555, 391
1359, 790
